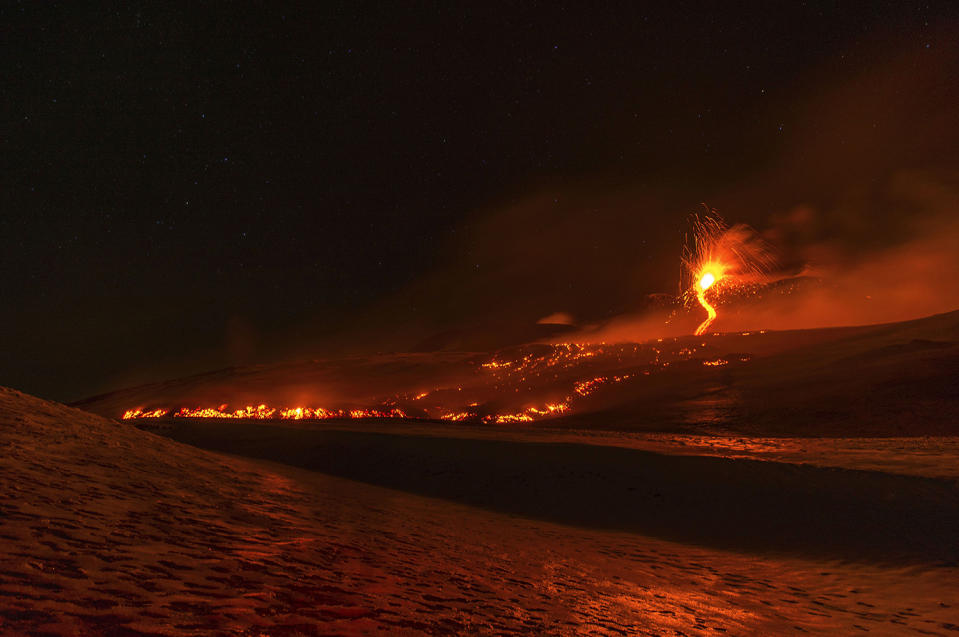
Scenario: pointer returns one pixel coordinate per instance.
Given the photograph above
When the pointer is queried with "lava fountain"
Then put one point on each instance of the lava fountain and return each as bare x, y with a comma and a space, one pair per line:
719, 259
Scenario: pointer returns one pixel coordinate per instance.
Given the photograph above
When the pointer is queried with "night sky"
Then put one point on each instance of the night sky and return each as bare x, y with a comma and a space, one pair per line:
185, 191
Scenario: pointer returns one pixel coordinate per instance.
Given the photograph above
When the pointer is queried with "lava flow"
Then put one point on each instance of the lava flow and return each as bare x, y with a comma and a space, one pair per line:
522, 384
705, 282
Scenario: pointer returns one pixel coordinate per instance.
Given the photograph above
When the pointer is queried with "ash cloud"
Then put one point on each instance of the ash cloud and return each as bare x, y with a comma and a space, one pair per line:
915, 276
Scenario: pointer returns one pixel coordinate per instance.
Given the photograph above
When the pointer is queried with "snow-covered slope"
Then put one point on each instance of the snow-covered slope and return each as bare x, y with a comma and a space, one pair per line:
107, 529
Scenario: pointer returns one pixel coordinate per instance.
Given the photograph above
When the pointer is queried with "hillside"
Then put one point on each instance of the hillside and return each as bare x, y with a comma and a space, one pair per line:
898, 379
108, 529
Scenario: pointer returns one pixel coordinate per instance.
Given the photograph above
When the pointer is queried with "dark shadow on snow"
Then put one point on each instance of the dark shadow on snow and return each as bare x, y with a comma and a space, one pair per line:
736, 504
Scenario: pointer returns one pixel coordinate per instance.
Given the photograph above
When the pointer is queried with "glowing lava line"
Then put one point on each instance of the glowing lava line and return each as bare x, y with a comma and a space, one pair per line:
704, 283
540, 371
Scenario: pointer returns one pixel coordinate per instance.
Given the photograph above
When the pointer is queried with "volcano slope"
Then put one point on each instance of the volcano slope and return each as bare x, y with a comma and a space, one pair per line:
108, 529
893, 380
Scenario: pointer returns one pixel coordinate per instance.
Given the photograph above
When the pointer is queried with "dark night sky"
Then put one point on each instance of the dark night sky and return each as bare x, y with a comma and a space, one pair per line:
183, 191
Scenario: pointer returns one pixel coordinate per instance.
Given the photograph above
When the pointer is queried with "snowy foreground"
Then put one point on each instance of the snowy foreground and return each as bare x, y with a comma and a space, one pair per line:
107, 529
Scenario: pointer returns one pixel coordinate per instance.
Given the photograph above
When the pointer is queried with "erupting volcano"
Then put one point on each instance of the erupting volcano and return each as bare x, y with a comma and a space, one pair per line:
719, 259
369, 320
